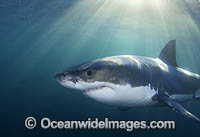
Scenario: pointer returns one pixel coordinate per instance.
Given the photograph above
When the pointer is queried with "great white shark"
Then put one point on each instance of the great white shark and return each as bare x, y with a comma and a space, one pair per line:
127, 81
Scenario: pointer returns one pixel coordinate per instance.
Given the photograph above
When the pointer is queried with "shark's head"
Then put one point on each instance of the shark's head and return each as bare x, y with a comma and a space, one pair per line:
98, 79
90, 76
102, 79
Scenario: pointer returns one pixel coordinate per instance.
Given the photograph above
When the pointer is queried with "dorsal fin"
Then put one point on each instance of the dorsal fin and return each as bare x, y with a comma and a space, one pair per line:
168, 53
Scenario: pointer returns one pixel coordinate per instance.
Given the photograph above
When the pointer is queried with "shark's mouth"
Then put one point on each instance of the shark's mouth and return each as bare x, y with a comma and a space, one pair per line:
95, 88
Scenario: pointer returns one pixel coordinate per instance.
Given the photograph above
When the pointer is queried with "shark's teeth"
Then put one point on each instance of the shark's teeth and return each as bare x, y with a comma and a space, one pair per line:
95, 88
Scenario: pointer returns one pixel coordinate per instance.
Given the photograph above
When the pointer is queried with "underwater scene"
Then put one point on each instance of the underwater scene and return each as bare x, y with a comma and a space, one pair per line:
39, 38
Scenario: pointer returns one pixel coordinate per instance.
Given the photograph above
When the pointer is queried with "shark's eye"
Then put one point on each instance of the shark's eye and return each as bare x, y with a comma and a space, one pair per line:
89, 73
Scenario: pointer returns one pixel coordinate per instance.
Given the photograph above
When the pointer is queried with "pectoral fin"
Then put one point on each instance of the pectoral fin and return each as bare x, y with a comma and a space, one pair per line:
177, 107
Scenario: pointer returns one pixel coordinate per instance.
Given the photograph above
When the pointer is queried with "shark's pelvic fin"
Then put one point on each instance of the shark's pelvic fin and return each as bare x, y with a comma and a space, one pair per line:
168, 53
177, 107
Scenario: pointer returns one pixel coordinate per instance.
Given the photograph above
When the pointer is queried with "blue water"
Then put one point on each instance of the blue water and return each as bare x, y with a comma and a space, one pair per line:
41, 37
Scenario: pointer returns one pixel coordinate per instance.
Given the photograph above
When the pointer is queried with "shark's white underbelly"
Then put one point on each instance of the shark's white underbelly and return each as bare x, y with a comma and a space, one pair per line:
125, 96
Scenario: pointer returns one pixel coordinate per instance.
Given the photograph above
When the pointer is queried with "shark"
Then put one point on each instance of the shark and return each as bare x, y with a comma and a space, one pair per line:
127, 81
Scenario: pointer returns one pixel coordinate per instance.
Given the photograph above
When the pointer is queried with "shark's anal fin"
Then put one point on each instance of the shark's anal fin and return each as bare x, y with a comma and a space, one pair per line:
177, 107
168, 53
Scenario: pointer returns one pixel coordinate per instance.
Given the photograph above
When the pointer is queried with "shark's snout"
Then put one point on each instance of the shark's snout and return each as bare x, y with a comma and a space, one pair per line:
64, 76
60, 75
